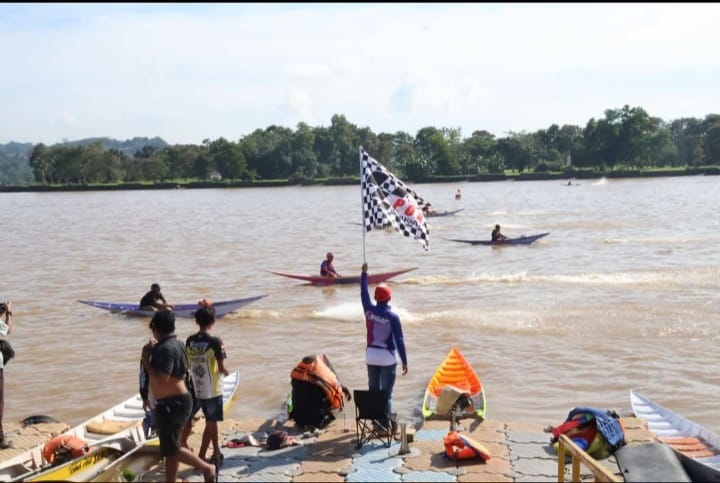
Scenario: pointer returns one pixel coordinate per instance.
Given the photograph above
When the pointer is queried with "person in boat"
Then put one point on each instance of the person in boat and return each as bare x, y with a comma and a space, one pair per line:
496, 235
206, 355
385, 341
326, 267
428, 210
154, 300
165, 361
5, 328
316, 392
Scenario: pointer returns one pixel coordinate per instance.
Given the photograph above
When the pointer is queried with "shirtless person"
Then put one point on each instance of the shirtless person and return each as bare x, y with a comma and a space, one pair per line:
165, 361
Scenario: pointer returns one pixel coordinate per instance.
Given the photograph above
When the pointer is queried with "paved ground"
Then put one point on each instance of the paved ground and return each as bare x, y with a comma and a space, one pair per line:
520, 453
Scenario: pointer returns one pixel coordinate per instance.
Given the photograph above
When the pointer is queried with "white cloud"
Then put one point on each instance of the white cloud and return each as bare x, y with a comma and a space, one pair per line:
186, 73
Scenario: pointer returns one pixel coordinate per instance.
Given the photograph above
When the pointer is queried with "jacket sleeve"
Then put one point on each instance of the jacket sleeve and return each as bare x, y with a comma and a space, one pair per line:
399, 339
364, 294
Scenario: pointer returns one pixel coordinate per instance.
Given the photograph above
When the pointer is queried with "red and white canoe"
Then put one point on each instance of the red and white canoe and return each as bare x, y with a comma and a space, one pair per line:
373, 278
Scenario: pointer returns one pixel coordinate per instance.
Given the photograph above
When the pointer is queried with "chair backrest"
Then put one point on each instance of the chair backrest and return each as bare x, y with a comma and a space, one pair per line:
370, 404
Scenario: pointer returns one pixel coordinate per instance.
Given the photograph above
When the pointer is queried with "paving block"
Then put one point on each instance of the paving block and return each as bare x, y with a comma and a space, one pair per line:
431, 435
529, 450
421, 476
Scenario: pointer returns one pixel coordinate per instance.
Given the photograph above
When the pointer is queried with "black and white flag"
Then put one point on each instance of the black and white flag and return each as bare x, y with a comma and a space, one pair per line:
387, 201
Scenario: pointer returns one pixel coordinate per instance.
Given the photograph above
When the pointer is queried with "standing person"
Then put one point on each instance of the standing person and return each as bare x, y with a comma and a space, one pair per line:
154, 300
5, 328
326, 267
166, 364
496, 235
206, 355
384, 342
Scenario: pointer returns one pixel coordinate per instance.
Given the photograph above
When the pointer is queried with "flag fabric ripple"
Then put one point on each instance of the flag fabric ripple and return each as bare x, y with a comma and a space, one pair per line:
387, 201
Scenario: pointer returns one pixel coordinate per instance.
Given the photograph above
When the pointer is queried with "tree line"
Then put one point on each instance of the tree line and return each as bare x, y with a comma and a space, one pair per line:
625, 138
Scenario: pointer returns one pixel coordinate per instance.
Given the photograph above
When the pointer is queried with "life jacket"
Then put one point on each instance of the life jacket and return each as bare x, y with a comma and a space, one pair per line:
319, 374
459, 447
599, 432
64, 448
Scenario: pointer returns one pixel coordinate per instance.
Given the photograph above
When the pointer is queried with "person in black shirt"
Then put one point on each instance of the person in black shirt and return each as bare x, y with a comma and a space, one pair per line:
496, 235
154, 300
164, 359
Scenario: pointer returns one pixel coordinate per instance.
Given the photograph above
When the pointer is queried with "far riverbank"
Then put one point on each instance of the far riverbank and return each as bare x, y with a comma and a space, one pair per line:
707, 171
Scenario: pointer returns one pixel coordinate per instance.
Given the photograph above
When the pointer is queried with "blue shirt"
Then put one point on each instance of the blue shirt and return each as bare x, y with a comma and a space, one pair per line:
383, 325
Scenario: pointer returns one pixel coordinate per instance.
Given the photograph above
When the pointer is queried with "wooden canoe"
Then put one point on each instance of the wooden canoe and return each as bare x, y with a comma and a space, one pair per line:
222, 308
373, 279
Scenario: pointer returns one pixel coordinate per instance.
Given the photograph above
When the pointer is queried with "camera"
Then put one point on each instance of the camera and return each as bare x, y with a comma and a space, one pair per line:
3, 307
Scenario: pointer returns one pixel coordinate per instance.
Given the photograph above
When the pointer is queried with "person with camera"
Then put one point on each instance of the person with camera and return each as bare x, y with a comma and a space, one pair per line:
7, 354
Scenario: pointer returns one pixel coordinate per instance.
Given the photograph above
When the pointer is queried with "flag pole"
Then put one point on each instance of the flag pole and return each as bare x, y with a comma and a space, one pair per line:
362, 208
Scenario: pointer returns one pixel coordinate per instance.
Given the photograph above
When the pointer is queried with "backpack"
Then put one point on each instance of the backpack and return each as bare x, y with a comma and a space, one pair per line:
7, 351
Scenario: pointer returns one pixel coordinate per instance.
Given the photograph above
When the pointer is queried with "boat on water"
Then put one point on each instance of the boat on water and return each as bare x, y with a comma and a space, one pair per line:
187, 311
444, 213
452, 380
697, 447
521, 240
111, 436
374, 278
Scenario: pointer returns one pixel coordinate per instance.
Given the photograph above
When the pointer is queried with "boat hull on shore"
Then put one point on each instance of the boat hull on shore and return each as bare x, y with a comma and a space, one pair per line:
453, 378
697, 447
187, 311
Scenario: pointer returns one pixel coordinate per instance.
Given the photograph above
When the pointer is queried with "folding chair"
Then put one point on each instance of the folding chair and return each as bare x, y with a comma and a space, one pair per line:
371, 421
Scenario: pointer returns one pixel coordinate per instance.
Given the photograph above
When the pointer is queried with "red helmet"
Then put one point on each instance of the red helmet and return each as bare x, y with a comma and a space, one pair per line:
382, 293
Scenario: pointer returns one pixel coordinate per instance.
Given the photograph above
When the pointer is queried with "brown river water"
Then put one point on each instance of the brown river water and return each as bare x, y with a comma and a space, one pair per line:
623, 294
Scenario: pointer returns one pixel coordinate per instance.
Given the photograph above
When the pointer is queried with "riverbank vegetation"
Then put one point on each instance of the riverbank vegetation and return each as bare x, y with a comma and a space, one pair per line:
626, 141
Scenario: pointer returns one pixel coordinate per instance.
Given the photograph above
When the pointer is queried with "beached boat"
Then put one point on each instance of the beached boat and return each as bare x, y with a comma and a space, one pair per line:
697, 447
143, 457
374, 278
521, 240
453, 379
222, 308
111, 436
108, 435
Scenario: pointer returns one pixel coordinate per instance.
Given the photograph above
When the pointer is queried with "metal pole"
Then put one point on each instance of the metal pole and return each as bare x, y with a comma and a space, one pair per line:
403, 439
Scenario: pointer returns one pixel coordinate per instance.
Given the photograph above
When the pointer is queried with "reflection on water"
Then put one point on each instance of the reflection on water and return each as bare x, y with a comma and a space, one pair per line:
622, 294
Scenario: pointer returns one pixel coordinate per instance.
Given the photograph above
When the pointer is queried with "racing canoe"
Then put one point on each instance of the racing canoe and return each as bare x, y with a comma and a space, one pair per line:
453, 378
374, 278
181, 310
444, 213
697, 447
523, 240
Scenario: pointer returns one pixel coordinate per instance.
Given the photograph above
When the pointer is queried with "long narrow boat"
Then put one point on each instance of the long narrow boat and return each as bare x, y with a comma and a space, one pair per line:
143, 457
222, 308
522, 240
444, 213
697, 447
374, 278
454, 377
110, 435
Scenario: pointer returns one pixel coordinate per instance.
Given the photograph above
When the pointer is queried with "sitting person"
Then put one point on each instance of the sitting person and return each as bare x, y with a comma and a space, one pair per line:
154, 300
326, 267
496, 235
316, 393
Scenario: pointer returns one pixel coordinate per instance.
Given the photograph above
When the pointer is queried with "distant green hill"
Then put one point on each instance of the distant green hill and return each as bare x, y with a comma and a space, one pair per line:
14, 156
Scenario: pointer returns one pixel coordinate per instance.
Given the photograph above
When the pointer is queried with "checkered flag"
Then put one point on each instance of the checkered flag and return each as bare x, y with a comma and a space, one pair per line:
387, 201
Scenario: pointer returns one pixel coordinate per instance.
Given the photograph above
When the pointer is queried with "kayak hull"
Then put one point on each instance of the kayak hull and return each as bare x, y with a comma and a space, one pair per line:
222, 308
320, 280
523, 240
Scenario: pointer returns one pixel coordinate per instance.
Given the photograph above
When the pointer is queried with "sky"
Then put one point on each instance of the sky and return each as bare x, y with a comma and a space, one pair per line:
190, 72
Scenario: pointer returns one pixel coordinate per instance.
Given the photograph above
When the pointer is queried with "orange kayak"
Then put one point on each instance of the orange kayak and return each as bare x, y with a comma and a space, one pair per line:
454, 377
